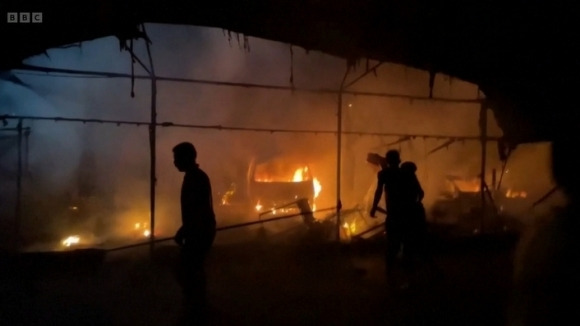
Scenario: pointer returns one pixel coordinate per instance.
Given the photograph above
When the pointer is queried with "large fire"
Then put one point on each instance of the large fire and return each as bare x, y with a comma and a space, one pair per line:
299, 175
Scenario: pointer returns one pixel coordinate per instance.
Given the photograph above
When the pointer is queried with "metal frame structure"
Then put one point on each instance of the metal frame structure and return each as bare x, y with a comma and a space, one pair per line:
343, 90
22, 163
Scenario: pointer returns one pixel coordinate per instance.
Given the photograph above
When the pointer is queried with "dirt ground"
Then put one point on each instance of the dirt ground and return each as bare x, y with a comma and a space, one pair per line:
262, 283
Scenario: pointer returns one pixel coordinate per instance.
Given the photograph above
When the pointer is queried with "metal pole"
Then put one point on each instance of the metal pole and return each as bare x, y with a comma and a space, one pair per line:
152, 144
18, 213
245, 129
338, 164
483, 130
339, 153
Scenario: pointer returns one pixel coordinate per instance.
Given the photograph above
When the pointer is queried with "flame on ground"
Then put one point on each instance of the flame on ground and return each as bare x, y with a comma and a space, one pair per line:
350, 227
349, 230
71, 240
145, 227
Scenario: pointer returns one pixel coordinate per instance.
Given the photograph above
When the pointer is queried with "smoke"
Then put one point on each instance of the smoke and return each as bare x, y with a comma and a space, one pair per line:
111, 163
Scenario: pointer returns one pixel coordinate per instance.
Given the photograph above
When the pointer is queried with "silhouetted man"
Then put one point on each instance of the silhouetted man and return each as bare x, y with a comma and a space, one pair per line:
390, 180
416, 233
197, 233
416, 220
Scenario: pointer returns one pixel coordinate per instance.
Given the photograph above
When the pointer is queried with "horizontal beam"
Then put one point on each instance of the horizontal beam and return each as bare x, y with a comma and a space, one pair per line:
244, 129
223, 228
89, 73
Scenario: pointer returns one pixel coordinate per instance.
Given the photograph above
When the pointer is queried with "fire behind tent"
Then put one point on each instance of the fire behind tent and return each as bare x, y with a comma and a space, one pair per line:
273, 185
460, 203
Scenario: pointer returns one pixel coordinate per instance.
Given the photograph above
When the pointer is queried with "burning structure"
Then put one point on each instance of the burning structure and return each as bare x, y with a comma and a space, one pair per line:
525, 66
279, 181
266, 189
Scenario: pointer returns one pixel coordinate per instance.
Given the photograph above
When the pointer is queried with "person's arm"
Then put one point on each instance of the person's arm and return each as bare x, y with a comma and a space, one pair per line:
378, 193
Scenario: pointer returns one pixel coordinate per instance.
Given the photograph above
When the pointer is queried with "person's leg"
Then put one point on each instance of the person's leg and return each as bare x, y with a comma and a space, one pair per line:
194, 285
409, 252
392, 251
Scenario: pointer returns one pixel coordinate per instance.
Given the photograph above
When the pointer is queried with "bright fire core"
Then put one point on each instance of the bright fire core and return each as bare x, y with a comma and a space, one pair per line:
300, 175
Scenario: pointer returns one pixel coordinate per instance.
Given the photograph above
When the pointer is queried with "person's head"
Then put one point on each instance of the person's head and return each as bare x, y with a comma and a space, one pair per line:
184, 156
393, 158
409, 167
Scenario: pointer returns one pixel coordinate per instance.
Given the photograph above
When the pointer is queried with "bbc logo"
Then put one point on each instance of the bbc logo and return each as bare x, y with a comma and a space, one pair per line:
24, 17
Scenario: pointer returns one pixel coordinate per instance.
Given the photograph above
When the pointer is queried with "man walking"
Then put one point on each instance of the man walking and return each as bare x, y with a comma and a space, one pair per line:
197, 233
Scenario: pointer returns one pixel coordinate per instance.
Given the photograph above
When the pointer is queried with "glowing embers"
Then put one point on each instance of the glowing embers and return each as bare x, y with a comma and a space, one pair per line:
515, 194
350, 227
142, 229
276, 210
348, 230
227, 196
72, 240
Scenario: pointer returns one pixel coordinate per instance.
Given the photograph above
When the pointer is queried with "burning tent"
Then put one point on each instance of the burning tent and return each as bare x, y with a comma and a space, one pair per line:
278, 181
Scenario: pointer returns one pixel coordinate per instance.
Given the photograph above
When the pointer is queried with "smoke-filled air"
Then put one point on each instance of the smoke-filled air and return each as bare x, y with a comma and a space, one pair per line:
90, 181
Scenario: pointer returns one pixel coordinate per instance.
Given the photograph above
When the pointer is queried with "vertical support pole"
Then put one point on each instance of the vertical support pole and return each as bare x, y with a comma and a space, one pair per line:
18, 210
483, 139
339, 153
152, 145
338, 164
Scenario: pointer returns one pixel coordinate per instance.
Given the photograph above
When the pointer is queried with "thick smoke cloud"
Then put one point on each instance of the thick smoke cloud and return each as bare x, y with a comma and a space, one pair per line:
113, 161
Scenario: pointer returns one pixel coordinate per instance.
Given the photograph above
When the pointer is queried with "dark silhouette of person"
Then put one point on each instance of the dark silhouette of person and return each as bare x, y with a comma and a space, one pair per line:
196, 235
416, 220
390, 180
415, 242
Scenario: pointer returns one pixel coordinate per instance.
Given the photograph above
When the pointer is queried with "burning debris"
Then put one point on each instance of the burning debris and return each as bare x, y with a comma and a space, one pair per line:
227, 196
71, 241
273, 183
77, 241
515, 194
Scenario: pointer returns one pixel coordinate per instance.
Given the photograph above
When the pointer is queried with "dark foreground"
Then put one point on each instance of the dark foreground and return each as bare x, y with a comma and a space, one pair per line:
261, 283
